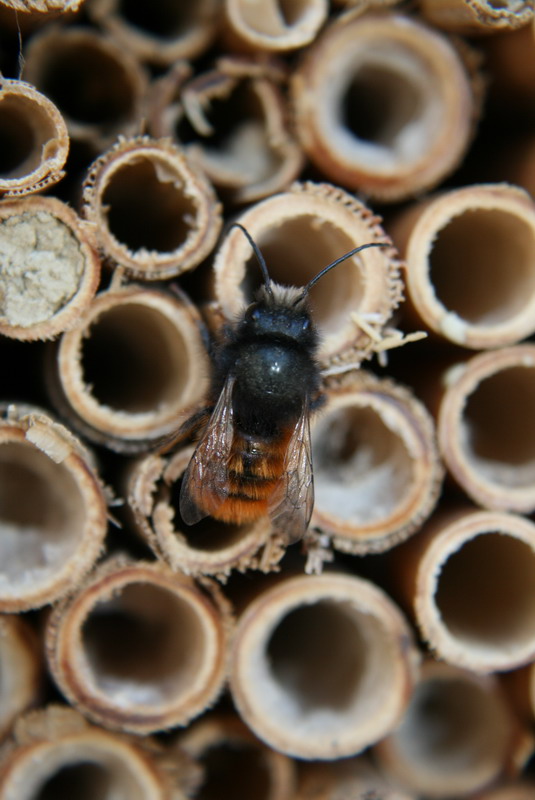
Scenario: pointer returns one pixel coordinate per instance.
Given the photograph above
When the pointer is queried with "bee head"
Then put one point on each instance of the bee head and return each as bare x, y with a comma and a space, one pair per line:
280, 312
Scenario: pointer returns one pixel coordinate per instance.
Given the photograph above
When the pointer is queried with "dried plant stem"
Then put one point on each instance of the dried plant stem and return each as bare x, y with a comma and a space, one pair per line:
321, 666
133, 369
139, 648
470, 256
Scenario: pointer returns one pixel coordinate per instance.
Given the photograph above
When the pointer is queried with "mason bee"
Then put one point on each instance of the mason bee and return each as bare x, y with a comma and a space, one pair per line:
254, 454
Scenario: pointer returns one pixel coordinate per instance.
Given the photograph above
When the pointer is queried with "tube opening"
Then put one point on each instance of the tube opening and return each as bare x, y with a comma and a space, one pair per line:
235, 771
134, 359
42, 515
486, 592
145, 645
275, 17
147, 207
499, 427
163, 18
24, 131
453, 726
85, 780
362, 468
482, 266
296, 251
87, 83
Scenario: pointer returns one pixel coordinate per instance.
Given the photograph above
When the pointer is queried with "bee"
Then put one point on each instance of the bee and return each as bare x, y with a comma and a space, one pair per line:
254, 454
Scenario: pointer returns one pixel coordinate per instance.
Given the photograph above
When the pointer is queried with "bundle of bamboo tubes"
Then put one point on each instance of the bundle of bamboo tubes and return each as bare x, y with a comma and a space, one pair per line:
390, 654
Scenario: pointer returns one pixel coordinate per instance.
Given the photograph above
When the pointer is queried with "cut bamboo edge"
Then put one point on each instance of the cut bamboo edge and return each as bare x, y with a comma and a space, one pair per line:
299, 232
271, 27
50, 543
49, 265
207, 548
468, 579
322, 666
376, 466
260, 155
133, 369
470, 261
478, 733
384, 105
140, 648
55, 752
35, 141
153, 212
477, 16
485, 427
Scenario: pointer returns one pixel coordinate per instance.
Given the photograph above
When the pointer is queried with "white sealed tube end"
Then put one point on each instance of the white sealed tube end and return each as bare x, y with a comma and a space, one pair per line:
322, 666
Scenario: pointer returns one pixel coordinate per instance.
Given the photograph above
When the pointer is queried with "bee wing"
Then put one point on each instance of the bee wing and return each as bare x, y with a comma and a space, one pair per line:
204, 485
292, 503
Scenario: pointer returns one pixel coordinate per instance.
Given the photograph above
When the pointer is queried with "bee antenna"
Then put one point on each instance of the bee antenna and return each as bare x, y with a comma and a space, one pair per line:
259, 257
326, 269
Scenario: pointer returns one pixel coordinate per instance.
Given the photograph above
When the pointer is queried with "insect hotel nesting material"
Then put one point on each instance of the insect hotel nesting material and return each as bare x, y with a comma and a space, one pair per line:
267, 449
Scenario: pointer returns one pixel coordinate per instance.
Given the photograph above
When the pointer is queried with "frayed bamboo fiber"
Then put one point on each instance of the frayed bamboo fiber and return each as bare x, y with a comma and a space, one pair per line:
457, 735
35, 141
477, 16
322, 666
384, 105
485, 426
154, 213
139, 648
470, 259
49, 269
133, 368
53, 515
299, 232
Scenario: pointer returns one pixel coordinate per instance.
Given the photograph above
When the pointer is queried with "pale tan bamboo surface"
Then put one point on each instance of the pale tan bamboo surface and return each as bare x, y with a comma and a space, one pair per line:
235, 764
376, 464
271, 26
49, 268
258, 154
98, 87
22, 667
511, 56
53, 515
154, 212
521, 790
456, 737
346, 778
470, 260
485, 624
485, 427
419, 122
133, 369
207, 548
139, 648
35, 141
167, 33
55, 752
477, 16
299, 233
322, 666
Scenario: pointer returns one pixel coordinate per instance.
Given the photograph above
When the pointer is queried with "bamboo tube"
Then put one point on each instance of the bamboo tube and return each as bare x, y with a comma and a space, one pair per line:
470, 256
384, 105
485, 428
510, 56
236, 765
35, 142
52, 510
132, 370
139, 648
49, 270
232, 122
153, 212
207, 548
469, 580
56, 753
22, 670
96, 84
163, 35
48, 7
299, 233
476, 16
456, 736
272, 26
520, 790
321, 666
345, 779
376, 466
